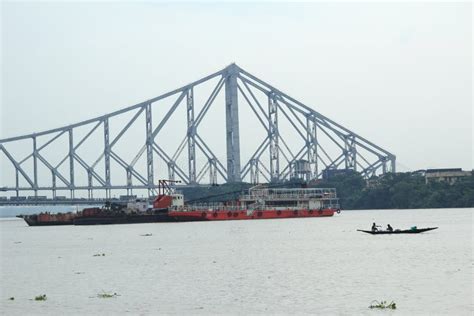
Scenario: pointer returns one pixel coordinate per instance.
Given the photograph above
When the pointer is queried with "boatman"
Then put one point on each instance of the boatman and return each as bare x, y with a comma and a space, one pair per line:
374, 227
389, 228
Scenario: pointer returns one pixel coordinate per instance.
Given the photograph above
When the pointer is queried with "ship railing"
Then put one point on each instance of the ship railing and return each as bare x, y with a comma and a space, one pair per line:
266, 191
291, 196
291, 208
213, 207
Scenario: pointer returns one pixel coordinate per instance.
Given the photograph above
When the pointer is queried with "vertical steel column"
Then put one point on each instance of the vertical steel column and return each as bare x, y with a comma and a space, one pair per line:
17, 179
71, 163
149, 148
212, 171
171, 170
393, 164
312, 145
129, 181
35, 167
316, 164
232, 125
273, 135
89, 184
350, 152
254, 171
54, 183
191, 137
107, 157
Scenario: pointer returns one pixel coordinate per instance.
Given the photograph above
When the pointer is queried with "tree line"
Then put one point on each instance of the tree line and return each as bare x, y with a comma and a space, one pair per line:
400, 191
389, 191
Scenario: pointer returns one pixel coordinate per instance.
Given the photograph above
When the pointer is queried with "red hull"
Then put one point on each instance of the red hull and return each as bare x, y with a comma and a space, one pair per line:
221, 215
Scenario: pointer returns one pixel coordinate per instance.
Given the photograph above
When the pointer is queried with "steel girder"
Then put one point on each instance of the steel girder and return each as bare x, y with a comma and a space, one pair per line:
318, 143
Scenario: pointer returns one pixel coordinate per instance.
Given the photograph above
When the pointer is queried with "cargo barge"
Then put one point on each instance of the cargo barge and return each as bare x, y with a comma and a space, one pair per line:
48, 219
260, 203
136, 212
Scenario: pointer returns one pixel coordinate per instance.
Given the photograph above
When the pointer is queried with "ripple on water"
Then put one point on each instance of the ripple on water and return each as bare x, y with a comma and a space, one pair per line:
295, 266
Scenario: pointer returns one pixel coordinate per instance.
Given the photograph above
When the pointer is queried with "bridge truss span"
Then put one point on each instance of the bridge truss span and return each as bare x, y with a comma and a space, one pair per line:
227, 127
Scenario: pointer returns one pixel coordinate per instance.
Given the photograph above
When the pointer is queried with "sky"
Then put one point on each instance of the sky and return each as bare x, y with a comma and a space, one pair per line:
398, 74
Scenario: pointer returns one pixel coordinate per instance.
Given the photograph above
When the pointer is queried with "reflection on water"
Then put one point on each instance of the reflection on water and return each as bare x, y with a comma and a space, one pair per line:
305, 266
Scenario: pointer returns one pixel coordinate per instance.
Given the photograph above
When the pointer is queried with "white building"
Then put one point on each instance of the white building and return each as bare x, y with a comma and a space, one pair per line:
447, 175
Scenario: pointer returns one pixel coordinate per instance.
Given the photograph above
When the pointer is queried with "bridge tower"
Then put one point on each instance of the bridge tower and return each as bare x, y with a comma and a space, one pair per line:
232, 124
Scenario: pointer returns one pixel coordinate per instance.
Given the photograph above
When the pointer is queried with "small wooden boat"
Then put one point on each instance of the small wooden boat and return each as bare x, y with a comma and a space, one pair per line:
398, 231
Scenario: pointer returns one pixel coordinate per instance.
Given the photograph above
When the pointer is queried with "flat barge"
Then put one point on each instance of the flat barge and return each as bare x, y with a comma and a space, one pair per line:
259, 203
48, 219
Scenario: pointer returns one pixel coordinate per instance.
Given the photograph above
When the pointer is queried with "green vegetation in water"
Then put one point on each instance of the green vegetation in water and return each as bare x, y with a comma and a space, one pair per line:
107, 295
99, 255
41, 297
383, 305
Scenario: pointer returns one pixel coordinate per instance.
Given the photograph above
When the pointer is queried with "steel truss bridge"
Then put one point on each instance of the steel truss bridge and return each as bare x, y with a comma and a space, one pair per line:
269, 137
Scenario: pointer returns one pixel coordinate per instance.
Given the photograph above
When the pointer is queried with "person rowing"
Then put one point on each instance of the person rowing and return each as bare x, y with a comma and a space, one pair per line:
374, 227
389, 228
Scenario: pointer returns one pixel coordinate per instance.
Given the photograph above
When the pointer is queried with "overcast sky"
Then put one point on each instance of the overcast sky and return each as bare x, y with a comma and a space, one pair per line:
398, 74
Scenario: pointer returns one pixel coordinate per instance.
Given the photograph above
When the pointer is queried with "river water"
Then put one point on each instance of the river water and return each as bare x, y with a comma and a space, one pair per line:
294, 266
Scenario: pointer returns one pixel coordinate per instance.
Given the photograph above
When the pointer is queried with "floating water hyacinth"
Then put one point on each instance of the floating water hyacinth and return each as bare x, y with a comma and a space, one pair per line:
41, 297
383, 305
107, 295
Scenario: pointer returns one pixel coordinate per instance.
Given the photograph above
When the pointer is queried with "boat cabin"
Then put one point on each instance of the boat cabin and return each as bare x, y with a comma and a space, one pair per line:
295, 198
173, 200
